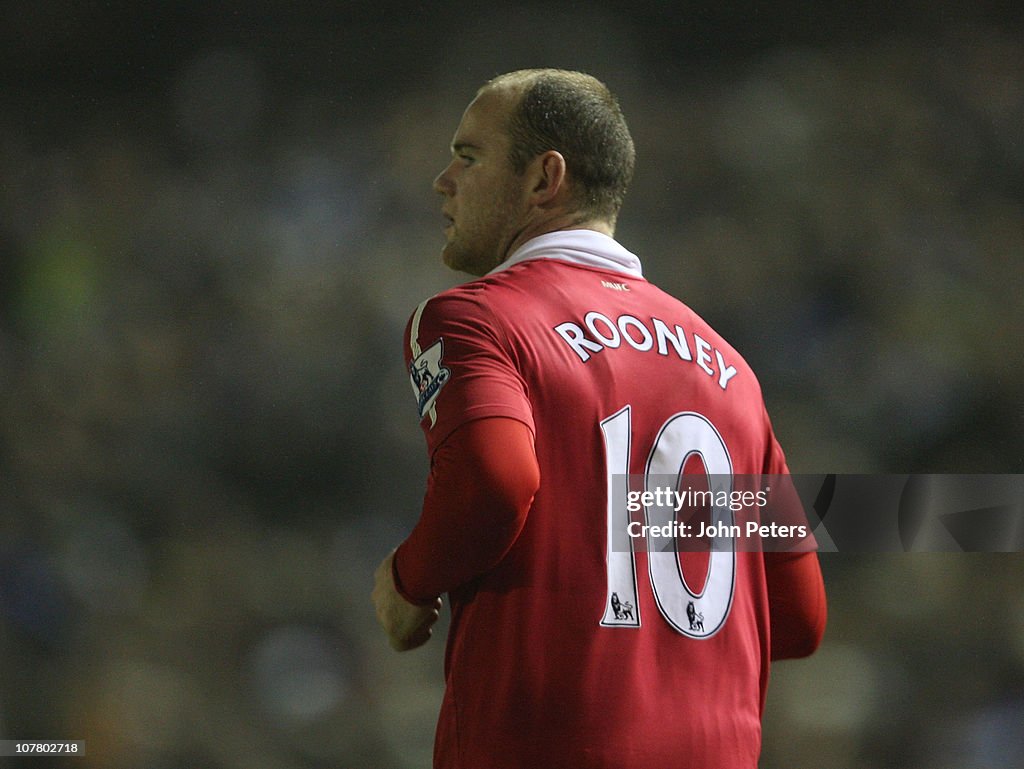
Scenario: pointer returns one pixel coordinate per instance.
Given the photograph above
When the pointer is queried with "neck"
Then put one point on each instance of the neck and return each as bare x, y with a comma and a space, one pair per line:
556, 223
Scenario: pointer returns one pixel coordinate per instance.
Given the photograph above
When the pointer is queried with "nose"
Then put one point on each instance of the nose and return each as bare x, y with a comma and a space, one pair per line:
443, 183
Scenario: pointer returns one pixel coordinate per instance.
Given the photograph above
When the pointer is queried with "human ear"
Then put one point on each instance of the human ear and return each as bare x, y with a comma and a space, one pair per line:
548, 176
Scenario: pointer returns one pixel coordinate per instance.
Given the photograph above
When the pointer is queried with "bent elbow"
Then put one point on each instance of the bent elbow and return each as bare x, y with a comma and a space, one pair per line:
810, 641
510, 501
800, 635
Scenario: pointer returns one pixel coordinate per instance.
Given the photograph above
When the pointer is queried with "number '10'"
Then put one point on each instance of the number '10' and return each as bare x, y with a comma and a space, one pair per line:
682, 436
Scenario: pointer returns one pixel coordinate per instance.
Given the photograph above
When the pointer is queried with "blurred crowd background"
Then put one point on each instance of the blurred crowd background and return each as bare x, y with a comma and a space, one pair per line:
215, 219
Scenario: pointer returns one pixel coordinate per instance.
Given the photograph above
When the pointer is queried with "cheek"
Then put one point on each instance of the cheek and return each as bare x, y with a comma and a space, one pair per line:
486, 205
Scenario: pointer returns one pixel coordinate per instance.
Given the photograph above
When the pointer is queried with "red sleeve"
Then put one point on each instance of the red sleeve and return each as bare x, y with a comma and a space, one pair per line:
461, 366
481, 485
796, 591
796, 603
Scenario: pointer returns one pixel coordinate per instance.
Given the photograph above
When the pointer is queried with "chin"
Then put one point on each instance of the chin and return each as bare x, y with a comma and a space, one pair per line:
457, 260
449, 258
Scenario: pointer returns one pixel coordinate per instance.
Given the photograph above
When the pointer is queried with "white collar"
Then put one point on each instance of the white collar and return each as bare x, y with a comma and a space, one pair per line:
588, 248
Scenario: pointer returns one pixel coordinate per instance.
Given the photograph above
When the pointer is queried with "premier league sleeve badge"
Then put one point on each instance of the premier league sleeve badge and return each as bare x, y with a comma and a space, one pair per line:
428, 376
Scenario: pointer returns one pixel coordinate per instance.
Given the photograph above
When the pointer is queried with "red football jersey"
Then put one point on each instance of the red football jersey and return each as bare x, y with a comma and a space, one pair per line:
571, 652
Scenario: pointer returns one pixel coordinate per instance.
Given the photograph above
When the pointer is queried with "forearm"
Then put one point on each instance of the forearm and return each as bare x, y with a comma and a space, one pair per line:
482, 482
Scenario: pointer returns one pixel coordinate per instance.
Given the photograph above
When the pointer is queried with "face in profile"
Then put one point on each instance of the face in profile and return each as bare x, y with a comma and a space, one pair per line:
483, 195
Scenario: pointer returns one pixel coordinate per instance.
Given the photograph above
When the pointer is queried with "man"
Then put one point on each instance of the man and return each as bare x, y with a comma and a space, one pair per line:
556, 372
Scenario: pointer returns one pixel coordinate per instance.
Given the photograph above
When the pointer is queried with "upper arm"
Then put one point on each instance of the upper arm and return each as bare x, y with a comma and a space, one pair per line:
461, 367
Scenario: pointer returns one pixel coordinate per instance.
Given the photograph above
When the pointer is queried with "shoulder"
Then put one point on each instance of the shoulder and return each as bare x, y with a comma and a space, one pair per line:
461, 318
454, 343
461, 297
478, 304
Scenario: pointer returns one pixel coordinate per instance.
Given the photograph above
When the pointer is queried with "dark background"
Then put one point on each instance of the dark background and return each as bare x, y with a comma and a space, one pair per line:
215, 219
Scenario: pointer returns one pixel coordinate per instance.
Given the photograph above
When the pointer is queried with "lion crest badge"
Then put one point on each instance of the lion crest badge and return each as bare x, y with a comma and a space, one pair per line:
428, 376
